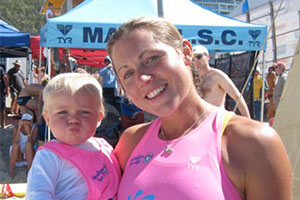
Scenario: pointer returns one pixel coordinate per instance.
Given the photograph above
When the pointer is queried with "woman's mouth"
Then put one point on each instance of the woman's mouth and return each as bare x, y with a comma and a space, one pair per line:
156, 92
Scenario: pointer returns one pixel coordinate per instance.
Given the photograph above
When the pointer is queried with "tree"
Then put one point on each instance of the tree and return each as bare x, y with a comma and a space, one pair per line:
23, 14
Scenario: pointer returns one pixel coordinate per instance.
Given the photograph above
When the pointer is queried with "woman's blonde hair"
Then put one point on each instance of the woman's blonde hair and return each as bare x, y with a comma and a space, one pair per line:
71, 83
163, 31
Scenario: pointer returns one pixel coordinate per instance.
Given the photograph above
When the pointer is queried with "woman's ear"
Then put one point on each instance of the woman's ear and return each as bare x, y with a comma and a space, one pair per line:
187, 50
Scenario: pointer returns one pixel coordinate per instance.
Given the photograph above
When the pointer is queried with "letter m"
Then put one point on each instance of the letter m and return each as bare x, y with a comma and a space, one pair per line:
90, 36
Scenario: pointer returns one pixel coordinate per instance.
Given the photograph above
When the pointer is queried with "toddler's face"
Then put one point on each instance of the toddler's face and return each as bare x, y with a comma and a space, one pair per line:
73, 118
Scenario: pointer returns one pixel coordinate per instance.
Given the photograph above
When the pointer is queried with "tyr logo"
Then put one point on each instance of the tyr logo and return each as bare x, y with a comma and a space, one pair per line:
64, 29
254, 34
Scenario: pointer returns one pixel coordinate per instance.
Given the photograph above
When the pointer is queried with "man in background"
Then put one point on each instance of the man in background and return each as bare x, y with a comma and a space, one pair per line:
282, 77
69, 63
257, 92
109, 84
271, 79
50, 11
17, 83
215, 84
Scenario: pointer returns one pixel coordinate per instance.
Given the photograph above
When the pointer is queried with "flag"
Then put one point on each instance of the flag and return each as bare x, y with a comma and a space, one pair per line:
245, 7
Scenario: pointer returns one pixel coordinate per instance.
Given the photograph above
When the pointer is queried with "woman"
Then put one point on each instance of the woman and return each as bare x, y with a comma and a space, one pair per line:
185, 154
23, 141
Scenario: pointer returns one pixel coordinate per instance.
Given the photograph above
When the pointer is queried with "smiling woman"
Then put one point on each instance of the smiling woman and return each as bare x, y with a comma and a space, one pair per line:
193, 150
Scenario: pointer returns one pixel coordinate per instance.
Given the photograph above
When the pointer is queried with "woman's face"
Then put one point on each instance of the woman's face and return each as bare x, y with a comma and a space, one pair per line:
154, 75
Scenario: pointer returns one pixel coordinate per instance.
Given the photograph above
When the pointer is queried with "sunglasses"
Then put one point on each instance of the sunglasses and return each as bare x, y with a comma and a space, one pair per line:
199, 56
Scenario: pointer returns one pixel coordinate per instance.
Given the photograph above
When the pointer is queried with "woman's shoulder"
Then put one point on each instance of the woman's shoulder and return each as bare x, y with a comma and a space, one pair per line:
249, 136
241, 127
252, 150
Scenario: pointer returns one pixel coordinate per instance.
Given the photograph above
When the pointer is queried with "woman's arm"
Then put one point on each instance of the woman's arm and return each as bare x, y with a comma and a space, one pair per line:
32, 137
16, 133
256, 161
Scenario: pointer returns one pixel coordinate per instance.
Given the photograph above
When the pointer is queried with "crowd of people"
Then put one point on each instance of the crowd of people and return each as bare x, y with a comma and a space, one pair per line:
274, 84
192, 149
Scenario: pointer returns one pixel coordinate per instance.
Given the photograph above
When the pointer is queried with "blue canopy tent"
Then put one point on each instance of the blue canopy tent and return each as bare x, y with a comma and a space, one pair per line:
13, 43
90, 24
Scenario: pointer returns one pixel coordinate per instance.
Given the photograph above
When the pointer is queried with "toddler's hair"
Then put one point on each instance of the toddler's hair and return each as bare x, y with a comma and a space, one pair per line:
71, 83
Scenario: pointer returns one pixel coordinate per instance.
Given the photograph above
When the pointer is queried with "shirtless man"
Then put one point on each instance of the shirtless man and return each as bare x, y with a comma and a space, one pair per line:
215, 83
30, 97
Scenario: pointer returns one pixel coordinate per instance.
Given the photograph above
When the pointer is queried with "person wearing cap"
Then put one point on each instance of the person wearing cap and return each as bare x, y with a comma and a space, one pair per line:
280, 70
215, 84
109, 84
23, 141
17, 83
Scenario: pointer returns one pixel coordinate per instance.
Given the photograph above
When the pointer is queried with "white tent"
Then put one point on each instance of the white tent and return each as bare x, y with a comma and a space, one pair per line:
287, 120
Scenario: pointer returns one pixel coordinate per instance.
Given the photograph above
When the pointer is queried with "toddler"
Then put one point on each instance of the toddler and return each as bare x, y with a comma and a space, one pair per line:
75, 165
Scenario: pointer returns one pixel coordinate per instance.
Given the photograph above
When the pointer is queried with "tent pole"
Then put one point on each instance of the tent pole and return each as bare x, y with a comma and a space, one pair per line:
30, 68
273, 30
40, 64
263, 88
49, 61
160, 8
49, 73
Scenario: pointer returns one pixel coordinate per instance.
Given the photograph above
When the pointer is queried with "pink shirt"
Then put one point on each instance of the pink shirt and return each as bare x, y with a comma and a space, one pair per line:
194, 170
100, 169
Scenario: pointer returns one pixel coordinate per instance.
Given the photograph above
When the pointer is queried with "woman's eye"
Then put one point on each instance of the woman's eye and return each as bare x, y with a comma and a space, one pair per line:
152, 58
128, 74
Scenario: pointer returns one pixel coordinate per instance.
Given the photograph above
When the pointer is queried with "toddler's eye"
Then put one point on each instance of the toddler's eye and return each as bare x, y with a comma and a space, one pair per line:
62, 112
84, 112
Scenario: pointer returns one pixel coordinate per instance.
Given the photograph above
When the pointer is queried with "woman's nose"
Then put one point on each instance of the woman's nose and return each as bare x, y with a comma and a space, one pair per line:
144, 79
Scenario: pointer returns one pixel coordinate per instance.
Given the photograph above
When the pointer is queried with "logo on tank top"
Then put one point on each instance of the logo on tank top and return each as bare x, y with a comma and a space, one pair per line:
194, 161
148, 157
141, 159
140, 196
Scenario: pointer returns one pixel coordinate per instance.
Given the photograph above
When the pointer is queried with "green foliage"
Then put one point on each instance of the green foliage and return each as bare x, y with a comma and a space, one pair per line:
23, 14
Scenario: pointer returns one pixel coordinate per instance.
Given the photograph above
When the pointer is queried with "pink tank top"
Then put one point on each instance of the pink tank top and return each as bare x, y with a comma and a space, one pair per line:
194, 170
100, 169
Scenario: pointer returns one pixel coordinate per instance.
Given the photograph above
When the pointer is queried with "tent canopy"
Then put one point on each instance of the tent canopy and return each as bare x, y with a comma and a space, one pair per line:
90, 24
13, 43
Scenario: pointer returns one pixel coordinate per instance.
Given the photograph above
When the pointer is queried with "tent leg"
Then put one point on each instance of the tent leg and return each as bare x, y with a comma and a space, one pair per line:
30, 68
40, 64
49, 72
263, 88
